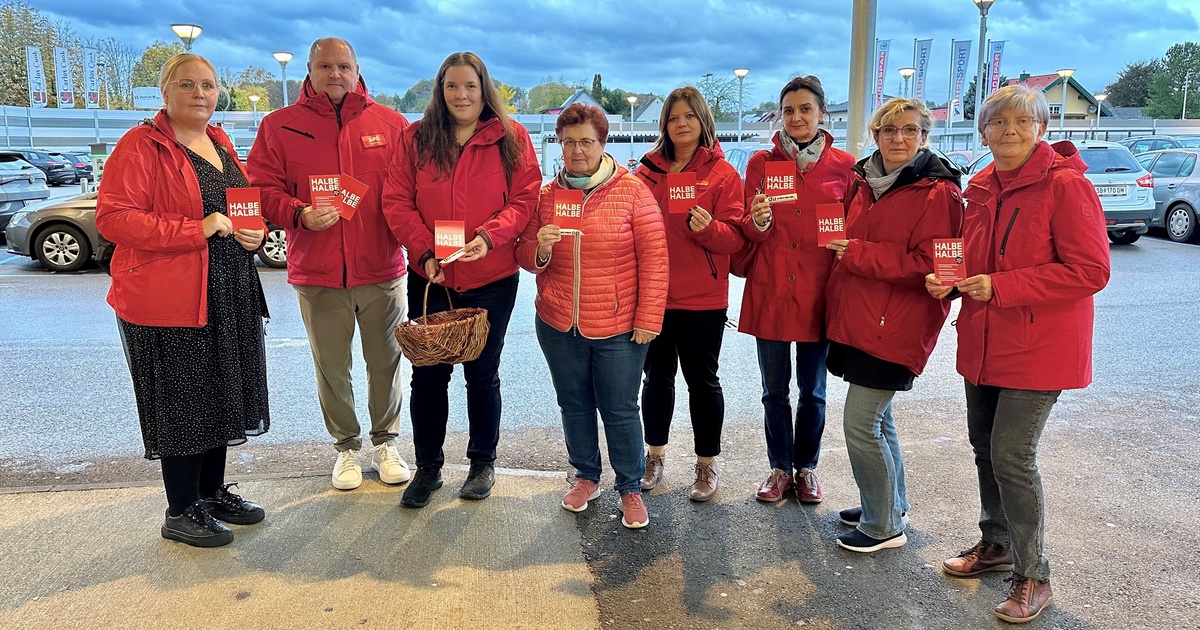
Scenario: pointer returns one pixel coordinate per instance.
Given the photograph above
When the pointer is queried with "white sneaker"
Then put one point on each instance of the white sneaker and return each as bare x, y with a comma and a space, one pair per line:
386, 459
347, 474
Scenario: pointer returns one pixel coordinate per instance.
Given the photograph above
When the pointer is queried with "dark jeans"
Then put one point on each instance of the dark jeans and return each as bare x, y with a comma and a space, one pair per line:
189, 478
691, 340
429, 402
1004, 426
789, 448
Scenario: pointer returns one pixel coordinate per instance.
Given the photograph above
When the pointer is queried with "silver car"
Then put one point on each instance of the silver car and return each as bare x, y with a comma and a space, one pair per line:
1176, 191
21, 183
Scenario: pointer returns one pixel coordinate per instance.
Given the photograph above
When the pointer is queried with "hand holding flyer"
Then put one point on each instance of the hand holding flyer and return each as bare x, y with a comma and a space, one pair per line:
779, 183
324, 192
243, 206
831, 223
568, 211
449, 239
948, 263
681, 192
351, 193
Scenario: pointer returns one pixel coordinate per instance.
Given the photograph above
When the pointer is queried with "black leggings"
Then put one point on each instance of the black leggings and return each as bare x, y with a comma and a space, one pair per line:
189, 478
691, 339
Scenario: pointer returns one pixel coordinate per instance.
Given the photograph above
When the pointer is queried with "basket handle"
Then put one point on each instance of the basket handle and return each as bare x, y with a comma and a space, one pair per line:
425, 302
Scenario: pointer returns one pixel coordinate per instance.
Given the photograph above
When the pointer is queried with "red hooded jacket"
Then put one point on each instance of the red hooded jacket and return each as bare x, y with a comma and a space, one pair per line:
1043, 241
700, 260
313, 137
476, 193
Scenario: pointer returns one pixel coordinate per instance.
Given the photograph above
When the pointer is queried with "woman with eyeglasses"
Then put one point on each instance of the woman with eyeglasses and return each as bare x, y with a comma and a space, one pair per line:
1036, 251
882, 325
602, 290
188, 301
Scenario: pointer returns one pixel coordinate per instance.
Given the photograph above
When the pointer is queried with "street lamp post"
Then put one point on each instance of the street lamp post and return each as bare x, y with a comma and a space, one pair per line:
741, 75
1065, 74
1099, 112
632, 100
983, 6
283, 57
907, 74
1187, 80
187, 33
254, 103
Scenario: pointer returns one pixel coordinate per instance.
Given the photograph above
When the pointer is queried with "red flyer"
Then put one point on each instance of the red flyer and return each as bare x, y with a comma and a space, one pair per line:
948, 263
568, 210
681, 192
323, 192
243, 206
448, 237
831, 223
779, 178
351, 194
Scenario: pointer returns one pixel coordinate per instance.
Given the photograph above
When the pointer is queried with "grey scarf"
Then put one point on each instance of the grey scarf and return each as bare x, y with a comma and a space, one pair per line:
879, 181
804, 157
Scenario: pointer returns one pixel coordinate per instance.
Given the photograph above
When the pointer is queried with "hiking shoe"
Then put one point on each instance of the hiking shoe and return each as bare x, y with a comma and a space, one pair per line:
196, 527
654, 471
862, 543
386, 460
633, 511
478, 485
852, 516
771, 490
582, 491
1027, 599
808, 489
231, 508
705, 485
347, 474
417, 494
981, 558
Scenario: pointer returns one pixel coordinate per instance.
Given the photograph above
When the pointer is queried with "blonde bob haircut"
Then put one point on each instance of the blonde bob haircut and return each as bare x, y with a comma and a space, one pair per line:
892, 109
1022, 98
695, 100
173, 64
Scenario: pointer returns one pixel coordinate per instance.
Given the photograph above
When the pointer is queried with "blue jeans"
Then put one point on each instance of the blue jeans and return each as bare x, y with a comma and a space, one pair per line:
874, 450
789, 448
1004, 426
602, 375
429, 401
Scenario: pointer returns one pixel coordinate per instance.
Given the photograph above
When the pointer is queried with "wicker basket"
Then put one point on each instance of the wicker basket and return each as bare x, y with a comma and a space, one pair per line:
452, 336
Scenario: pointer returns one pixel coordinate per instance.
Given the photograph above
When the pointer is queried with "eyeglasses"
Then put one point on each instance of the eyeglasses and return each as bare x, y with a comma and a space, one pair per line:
585, 144
188, 85
1022, 122
909, 131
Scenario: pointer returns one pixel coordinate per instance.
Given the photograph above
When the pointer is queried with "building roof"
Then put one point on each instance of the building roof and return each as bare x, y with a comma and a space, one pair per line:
643, 107
580, 96
1050, 82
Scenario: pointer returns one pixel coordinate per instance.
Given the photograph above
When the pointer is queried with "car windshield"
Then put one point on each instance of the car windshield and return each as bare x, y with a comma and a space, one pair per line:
1190, 143
1108, 160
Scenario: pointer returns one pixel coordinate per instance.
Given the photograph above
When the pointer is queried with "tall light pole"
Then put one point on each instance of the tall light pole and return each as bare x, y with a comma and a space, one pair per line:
741, 75
187, 33
632, 100
983, 6
283, 57
1065, 75
1099, 112
1187, 79
907, 74
254, 103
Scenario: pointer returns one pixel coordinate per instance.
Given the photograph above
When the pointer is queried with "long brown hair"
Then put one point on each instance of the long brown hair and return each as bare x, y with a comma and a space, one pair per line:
435, 136
695, 100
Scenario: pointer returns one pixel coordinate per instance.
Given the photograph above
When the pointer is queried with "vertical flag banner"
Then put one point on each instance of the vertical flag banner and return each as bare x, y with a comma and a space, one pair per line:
91, 79
62, 78
37, 77
961, 56
995, 51
922, 55
881, 55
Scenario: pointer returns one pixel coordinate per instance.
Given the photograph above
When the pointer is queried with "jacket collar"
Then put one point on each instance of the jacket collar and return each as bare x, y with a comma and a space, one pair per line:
655, 161
162, 132
488, 131
1046, 157
777, 152
352, 105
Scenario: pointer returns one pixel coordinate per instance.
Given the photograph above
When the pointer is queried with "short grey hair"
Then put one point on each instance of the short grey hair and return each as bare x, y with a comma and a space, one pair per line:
1020, 97
312, 50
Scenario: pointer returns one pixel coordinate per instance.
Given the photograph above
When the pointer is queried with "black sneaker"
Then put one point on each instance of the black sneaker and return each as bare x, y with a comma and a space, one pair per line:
478, 485
862, 543
231, 508
416, 495
196, 527
853, 515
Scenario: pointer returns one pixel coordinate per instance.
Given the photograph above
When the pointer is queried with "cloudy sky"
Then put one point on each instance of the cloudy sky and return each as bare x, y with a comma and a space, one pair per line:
649, 46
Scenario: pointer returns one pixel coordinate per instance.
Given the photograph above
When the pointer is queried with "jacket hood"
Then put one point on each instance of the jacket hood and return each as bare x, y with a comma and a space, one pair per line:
354, 101
655, 161
925, 165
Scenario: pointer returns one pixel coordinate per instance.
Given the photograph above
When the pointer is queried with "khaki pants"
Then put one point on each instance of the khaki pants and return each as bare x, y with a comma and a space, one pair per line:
329, 317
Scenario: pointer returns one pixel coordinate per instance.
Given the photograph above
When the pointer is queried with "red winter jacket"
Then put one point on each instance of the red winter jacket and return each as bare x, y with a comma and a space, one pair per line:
1043, 241
149, 205
613, 278
313, 137
476, 192
784, 296
876, 294
700, 260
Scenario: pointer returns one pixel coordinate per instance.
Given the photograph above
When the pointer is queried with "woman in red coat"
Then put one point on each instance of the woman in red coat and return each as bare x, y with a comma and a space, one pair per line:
783, 302
1035, 245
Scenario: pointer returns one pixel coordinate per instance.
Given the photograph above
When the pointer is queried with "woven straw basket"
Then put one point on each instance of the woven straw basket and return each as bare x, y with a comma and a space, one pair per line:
452, 336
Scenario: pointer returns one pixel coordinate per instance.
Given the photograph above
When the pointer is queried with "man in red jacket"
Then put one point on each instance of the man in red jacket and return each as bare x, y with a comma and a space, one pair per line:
343, 269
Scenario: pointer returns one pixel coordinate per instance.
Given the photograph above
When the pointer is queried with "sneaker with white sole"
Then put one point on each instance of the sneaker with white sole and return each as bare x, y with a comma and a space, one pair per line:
386, 460
347, 474
862, 543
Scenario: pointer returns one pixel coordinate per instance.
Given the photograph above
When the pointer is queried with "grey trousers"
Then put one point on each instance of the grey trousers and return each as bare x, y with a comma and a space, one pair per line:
329, 318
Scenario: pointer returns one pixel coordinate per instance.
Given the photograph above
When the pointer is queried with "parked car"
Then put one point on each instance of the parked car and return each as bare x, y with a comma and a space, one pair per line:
1188, 142
21, 183
1141, 144
1176, 191
80, 163
61, 234
1123, 185
57, 171
738, 158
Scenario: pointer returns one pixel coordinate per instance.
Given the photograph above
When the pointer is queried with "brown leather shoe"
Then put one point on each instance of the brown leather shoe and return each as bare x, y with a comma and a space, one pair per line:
771, 490
706, 482
1026, 600
808, 489
654, 472
981, 558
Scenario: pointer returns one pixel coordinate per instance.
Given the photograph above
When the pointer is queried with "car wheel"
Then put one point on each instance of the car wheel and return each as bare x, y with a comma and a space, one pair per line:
62, 248
1180, 223
274, 248
1124, 237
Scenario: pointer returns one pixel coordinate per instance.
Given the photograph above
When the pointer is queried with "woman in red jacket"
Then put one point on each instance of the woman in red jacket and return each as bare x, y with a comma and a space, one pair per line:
881, 323
188, 301
465, 160
700, 241
783, 302
1035, 244
601, 294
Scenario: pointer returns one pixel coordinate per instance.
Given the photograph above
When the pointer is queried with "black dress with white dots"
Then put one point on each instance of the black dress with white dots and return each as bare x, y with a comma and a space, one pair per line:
201, 388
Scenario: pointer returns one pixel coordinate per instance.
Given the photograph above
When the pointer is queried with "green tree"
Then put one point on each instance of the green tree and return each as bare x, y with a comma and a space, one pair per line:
417, 96
145, 73
119, 59
22, 25
241, 98
508, 95
548, 93
1132, 87
1180, 66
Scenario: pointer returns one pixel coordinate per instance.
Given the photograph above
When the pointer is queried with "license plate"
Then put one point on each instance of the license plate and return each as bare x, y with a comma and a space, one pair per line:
1111, 191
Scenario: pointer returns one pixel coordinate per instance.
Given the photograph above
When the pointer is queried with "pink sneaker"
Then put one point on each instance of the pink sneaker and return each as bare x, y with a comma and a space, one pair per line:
633, 511
581, 492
